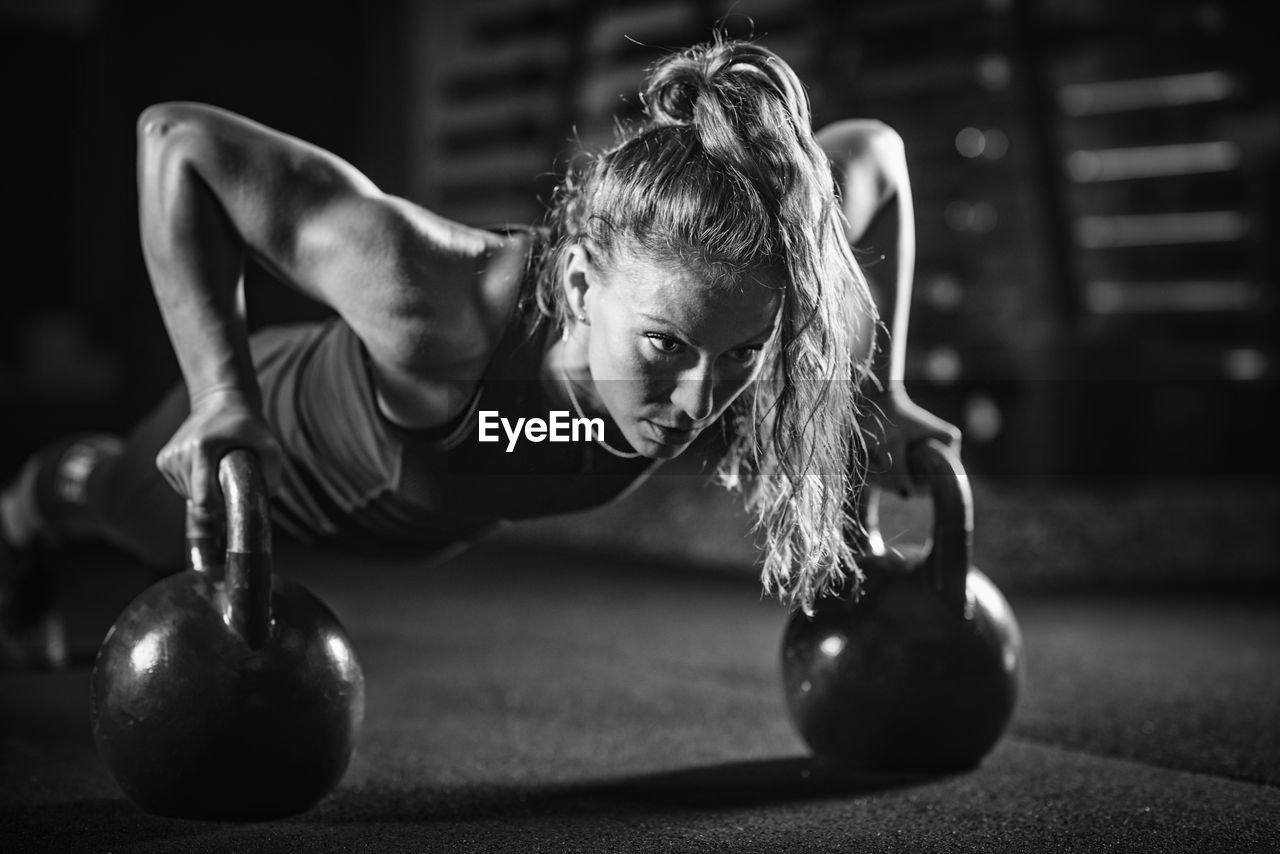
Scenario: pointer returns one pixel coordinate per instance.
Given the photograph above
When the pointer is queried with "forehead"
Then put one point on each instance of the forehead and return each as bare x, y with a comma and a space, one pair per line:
692, 297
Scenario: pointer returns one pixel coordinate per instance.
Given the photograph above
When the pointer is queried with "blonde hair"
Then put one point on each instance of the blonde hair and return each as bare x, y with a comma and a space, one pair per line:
724, 175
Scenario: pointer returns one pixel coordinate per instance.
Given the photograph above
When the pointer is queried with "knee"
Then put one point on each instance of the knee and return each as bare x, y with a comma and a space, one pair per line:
64, 472
97, 486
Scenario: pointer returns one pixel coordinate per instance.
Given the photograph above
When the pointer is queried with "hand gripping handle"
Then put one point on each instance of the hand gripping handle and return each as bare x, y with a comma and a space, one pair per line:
247, 527
952, 550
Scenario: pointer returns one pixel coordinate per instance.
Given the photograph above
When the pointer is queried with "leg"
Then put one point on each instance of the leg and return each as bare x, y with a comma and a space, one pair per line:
82, 487
102, 487
108, 488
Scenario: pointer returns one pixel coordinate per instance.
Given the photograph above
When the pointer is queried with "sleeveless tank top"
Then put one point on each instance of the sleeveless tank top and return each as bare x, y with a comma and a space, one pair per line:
354, 479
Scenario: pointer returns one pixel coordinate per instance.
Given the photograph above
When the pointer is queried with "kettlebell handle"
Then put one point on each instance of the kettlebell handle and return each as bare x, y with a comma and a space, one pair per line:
951, 551
245, 527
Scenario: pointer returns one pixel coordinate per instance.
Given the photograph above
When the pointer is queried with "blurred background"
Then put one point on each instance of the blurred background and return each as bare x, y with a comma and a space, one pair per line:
1096, 192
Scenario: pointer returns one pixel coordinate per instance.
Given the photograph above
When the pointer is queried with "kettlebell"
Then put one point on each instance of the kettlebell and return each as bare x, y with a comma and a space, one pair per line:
225, 691
918, 671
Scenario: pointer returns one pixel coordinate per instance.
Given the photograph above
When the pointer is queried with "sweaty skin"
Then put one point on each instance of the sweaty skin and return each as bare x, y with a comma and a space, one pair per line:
663, 351
429, 298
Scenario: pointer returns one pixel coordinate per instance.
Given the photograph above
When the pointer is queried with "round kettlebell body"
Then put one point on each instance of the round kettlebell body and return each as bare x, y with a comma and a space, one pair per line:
226, 691
919, 669
192, 722
898, 681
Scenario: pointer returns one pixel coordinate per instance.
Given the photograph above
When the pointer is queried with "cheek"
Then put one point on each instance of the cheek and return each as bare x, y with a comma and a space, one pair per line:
733, 385
617, 369
611, 359
635, 382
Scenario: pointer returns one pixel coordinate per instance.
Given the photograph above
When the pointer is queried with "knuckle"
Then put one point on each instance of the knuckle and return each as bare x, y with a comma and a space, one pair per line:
203, 509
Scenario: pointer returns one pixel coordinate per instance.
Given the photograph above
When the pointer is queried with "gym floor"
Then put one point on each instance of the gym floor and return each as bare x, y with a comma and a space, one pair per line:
524, 700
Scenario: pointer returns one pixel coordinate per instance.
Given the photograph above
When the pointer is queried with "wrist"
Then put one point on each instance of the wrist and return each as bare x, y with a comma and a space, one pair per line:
219, 395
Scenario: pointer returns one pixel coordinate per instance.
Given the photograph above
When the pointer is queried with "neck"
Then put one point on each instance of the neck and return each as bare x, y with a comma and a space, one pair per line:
566, 376
567, 357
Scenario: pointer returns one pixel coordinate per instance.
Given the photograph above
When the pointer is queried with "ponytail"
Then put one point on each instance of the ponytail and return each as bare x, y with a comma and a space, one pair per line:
724, 176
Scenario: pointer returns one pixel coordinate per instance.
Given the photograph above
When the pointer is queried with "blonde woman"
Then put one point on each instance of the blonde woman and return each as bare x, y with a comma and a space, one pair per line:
696, 275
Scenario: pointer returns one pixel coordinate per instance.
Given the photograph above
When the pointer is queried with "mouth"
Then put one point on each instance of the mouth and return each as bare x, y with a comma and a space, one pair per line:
670, 435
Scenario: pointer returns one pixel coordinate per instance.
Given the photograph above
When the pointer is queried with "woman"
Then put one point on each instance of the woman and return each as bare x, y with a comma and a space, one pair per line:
698, 273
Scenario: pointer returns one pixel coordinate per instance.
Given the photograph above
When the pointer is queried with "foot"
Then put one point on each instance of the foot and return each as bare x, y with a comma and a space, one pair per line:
32, 636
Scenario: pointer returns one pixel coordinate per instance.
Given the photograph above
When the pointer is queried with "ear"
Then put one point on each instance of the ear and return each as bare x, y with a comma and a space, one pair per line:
579, 273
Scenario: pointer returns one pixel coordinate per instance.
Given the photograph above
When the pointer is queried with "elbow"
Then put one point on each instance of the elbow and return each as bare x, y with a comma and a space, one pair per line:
156, 121
855, 139
870, 154
156, 147
888, 147
155, 138
159, 125
168, 147
877, 144
170, 136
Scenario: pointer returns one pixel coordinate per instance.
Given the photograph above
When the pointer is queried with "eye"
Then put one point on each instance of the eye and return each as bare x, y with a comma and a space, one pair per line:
664, 344
744, 355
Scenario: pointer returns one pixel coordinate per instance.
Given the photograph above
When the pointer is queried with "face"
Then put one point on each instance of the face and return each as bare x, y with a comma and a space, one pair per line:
667, 349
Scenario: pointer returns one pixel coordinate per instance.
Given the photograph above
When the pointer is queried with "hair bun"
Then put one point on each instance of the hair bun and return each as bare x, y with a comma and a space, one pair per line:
672, 93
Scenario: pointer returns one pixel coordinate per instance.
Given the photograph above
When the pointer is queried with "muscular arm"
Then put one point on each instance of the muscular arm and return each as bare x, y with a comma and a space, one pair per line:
871, 166
214, 188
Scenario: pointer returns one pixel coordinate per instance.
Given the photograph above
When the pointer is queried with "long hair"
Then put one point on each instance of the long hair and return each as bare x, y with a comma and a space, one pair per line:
724, 175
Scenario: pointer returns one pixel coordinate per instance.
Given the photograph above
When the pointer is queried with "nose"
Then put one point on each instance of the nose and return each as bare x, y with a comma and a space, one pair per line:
694, 393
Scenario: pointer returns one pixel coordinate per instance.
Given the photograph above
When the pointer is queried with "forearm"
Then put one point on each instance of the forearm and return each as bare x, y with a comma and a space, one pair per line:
195, 259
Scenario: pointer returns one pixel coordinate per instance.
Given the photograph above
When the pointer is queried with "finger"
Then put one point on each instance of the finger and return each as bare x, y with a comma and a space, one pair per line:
164, 463
205, 493
201, 521
174, 483
946, 432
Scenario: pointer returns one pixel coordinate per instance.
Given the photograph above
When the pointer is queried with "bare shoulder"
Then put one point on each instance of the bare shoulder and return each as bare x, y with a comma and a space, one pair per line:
430, 299
421, 290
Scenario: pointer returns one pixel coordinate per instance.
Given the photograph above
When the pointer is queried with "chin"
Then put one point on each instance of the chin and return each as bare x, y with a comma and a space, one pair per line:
655, 445
656, 451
